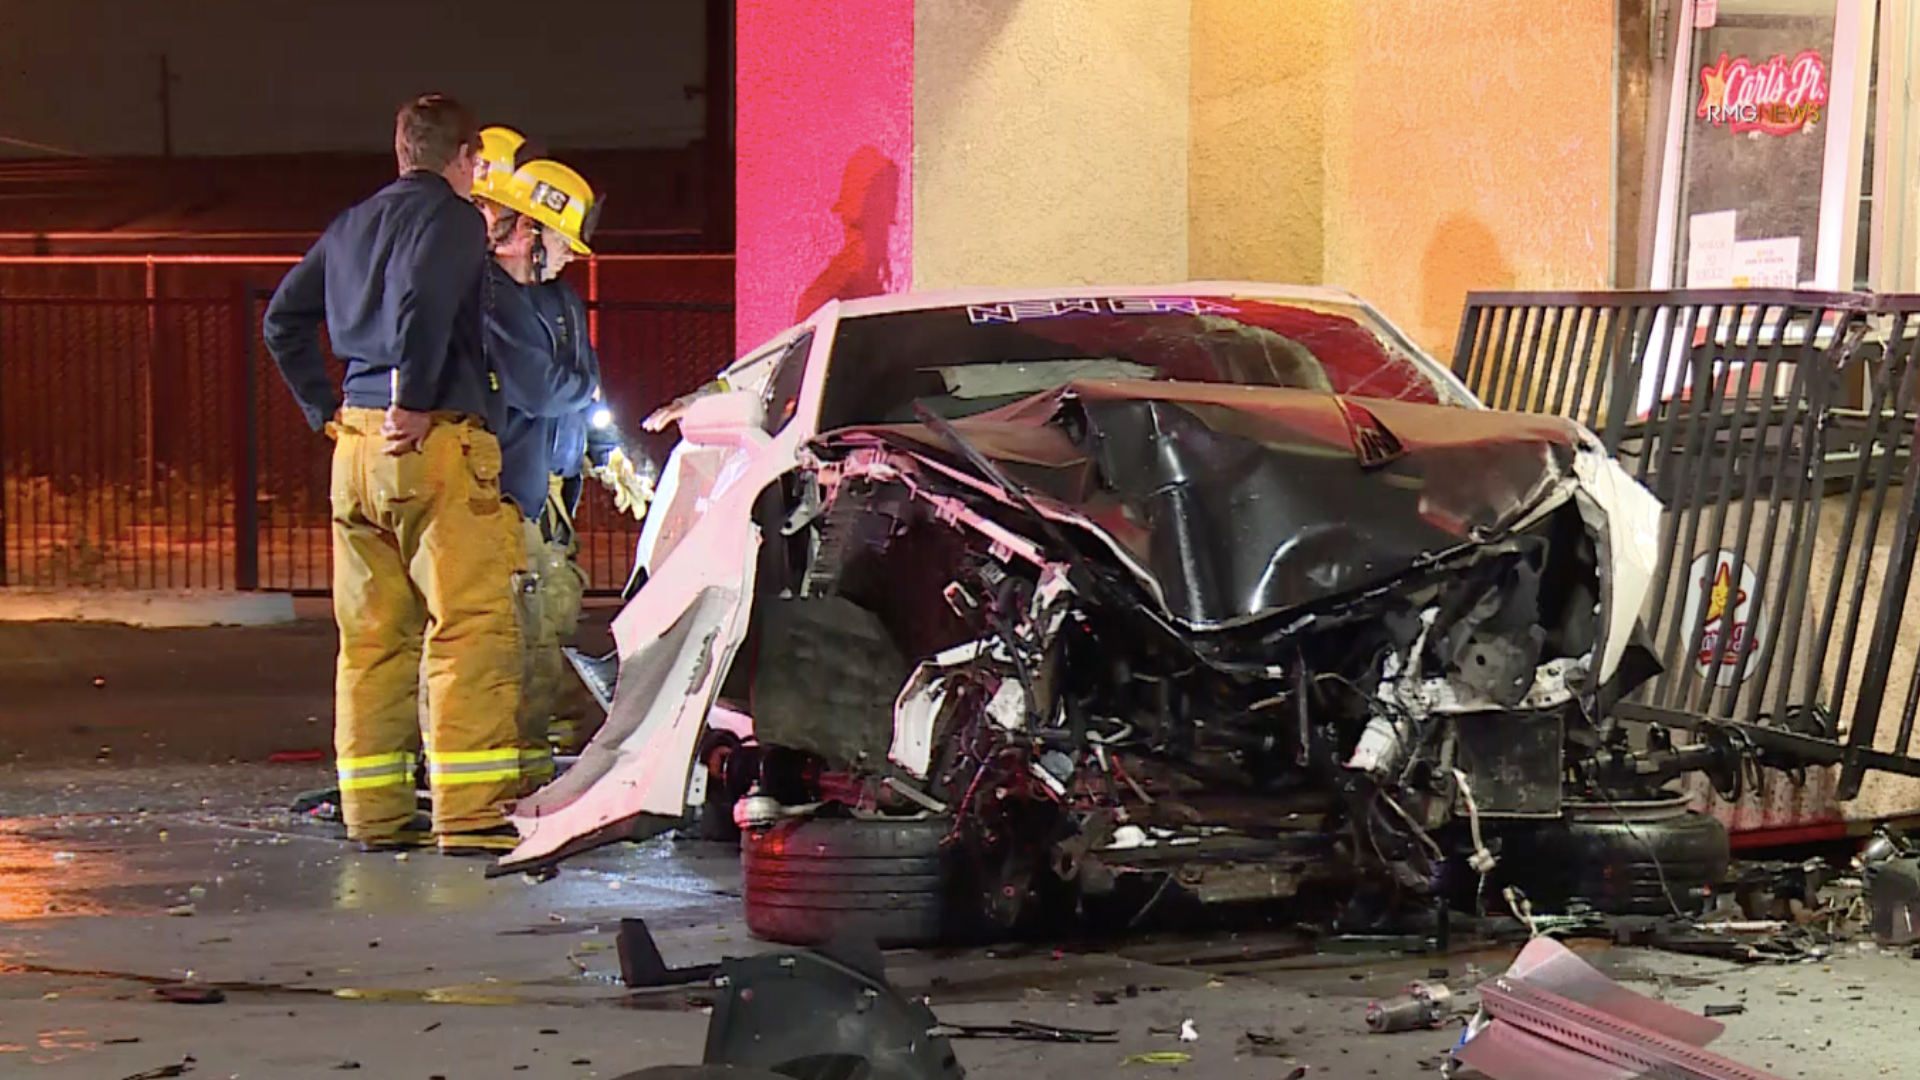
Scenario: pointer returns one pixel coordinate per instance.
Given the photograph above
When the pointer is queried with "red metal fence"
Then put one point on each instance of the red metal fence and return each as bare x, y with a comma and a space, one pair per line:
129, 422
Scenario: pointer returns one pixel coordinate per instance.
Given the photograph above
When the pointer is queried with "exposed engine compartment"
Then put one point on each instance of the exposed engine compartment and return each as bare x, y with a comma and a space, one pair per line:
1076, 722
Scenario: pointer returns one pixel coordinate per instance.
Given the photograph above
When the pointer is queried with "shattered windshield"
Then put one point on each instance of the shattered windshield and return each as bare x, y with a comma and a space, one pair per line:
969, 359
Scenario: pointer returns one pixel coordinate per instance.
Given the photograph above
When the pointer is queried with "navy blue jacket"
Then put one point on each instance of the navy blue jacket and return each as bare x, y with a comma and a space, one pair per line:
574, 436
396, 280
538, 382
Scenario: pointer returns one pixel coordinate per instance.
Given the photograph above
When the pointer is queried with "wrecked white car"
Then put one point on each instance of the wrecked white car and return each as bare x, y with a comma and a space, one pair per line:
959, 604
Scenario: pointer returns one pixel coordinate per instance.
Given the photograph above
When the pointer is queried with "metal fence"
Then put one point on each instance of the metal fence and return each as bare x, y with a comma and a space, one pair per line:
128, 426
1777, 428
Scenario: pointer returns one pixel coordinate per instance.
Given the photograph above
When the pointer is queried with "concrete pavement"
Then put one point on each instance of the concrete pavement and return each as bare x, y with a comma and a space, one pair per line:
162, 862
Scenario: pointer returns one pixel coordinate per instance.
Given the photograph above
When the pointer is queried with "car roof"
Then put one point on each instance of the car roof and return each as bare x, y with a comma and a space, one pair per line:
942, 298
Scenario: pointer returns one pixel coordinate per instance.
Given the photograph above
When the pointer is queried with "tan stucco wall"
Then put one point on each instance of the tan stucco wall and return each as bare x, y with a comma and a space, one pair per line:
1444, 146
1257, 185
1050, 142
1410, 153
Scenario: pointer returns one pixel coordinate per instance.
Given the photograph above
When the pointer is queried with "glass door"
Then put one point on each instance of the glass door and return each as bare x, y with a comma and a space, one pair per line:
1766, 144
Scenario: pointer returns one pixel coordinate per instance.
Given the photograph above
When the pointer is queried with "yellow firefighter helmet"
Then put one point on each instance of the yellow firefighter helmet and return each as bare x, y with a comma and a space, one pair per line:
560, 199
502, 150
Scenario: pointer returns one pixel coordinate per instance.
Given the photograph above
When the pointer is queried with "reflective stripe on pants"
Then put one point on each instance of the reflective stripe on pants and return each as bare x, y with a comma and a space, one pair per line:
375, 771
457, 768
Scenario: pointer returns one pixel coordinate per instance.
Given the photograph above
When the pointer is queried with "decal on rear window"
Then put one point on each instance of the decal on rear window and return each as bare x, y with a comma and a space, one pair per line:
1022, 310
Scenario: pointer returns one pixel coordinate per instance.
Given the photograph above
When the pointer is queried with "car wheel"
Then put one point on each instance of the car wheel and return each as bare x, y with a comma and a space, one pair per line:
1633, 859
811, 881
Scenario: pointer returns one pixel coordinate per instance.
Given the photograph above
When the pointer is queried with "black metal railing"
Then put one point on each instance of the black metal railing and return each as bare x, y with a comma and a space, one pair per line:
129, 426
1777, 428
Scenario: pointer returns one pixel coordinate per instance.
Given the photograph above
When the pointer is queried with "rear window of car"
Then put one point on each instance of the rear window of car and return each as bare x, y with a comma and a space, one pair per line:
968, 359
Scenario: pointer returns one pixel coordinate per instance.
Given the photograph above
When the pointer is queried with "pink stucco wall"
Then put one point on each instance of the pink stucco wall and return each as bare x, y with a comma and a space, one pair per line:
825, 148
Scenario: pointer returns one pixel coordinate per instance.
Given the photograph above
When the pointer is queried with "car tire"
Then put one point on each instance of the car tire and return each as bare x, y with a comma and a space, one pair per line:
1638, 860
1647, 867
811, 881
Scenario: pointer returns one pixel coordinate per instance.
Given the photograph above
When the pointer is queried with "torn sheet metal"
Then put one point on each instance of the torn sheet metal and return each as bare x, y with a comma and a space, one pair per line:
1551, 1014
1242, 501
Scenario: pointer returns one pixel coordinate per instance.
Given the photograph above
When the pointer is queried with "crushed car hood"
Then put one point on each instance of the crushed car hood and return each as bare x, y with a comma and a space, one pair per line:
1239, 502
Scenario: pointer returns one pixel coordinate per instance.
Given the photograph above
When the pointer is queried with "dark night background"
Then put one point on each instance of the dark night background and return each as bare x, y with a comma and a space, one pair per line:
217, 117
161, 164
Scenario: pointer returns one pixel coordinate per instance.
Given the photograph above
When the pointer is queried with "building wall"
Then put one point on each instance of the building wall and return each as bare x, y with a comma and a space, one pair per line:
1473, 151
295, 77
1052, 140
1409, 152
1259, 120
824, 137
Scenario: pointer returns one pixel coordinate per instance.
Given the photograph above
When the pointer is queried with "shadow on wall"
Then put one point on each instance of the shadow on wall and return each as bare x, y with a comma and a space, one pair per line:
1464, 256
869, 194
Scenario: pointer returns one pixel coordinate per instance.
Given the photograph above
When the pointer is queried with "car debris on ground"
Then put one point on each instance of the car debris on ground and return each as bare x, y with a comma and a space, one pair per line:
1553, 1014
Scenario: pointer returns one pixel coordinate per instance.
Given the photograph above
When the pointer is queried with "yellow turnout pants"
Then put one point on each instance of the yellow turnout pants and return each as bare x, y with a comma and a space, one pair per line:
426, 563
549, 623
563, 585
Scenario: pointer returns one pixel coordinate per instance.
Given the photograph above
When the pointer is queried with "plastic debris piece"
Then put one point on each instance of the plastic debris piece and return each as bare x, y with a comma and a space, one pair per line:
183, 994
1163, 1057
165, 1072
1724, 1010
181, 910
1188, 1033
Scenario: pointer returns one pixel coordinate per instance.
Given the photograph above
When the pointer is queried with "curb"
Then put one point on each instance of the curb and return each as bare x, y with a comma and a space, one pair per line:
151, 609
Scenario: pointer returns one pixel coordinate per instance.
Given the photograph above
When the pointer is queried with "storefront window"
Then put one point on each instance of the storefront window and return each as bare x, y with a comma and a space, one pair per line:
1755, 148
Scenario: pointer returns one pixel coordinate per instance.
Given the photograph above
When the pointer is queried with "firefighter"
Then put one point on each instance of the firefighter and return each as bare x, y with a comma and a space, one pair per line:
426, 555
584, 442
536, 216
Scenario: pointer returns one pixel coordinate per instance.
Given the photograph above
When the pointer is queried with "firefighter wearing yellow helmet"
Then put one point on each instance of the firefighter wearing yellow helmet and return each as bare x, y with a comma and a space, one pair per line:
540, 217
560, 199
502, 151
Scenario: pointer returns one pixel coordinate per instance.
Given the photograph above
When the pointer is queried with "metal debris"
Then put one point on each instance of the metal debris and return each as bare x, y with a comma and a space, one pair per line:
1553, 1014
1025, 1031
1419, 1005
